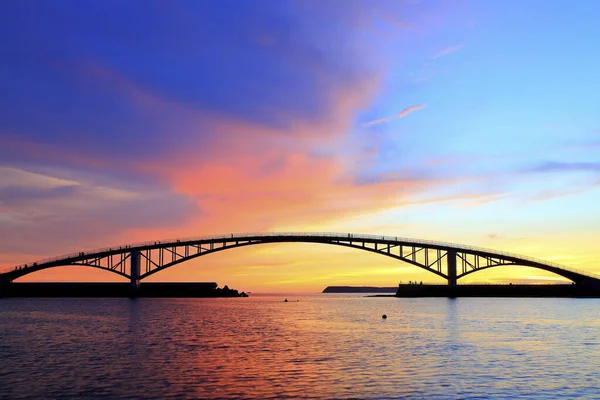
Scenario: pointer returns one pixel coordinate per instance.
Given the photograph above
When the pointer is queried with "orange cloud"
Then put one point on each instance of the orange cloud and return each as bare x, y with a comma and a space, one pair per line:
266, 191
256, 177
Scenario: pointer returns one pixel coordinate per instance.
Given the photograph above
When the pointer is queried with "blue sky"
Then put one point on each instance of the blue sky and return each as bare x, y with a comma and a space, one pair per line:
472, 122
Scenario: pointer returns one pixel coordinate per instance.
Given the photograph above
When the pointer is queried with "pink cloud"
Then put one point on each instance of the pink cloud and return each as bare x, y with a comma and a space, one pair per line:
259, 178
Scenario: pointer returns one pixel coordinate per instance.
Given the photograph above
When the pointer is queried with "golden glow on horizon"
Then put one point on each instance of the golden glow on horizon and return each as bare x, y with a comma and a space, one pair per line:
293, 267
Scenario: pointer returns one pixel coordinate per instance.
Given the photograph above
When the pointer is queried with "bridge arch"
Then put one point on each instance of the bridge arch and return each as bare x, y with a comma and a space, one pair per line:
563, 273
447, 260
395, 256
36, 268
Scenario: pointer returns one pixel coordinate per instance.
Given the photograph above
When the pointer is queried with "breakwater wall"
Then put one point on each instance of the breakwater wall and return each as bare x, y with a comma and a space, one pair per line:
486, 290
191, 289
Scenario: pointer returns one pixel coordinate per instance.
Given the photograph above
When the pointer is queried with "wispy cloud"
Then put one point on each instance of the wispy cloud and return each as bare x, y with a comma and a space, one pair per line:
446, 51
37, 205
401, 114
556, 166
590, 145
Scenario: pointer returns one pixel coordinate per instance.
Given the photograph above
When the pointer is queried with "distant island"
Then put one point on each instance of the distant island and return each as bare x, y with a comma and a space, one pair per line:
359, 289
63, 289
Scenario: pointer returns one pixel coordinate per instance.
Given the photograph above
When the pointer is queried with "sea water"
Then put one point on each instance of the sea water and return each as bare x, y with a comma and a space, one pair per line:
317, 346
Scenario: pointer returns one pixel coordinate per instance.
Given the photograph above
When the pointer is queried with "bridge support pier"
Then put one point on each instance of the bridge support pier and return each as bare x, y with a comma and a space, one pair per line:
451, 255
134, 286
4, 287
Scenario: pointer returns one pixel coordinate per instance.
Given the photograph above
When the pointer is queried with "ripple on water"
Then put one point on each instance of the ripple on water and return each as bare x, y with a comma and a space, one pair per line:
323, 347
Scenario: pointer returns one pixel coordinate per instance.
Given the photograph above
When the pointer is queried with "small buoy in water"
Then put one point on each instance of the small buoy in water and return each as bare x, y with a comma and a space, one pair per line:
384, 316
285, 301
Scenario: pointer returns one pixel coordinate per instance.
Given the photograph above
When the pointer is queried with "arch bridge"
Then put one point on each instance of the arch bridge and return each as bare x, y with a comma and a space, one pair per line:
449, 261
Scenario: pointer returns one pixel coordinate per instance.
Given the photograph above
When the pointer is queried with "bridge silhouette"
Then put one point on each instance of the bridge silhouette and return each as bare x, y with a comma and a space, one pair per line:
447, 260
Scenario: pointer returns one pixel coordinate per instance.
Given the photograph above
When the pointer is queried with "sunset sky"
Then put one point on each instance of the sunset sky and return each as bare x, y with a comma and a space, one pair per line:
473, 122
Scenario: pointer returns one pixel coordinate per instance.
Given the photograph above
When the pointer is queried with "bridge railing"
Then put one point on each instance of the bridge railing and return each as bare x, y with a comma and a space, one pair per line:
341, 236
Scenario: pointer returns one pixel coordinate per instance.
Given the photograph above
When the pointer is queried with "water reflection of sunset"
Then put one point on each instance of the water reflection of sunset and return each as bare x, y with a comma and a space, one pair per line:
321, 346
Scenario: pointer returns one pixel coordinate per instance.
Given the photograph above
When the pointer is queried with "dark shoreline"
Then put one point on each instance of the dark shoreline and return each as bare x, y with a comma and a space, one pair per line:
196, 289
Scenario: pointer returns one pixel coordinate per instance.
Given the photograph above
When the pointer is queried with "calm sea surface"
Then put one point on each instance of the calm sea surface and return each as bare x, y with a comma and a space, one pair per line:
322, 346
